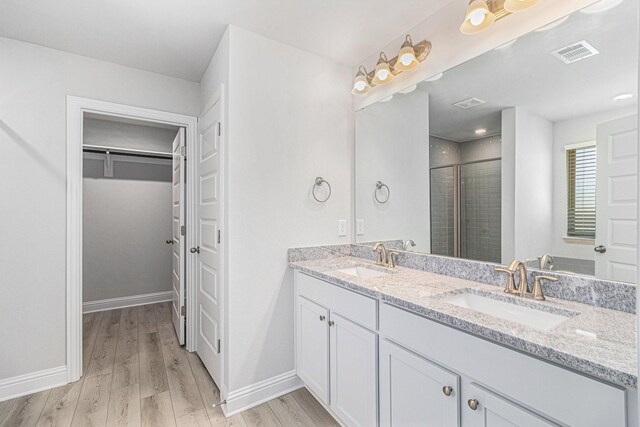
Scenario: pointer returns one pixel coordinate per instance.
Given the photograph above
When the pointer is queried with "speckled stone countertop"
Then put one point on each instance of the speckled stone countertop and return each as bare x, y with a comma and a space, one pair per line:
593, 340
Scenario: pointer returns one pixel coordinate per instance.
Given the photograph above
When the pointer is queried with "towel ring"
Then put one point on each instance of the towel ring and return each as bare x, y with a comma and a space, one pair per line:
379, 185
319, 181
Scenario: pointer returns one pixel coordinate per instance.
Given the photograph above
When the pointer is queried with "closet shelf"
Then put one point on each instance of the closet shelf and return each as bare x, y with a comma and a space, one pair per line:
126, 151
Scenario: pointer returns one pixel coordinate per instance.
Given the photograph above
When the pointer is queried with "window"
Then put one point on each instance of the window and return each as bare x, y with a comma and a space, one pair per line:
581, 191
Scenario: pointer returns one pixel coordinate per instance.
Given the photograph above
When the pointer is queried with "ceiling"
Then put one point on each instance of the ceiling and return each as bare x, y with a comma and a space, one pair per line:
178, 38
526, 75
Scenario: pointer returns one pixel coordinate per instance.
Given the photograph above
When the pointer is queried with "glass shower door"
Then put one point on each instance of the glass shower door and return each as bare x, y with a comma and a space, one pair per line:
481, 211
443, 216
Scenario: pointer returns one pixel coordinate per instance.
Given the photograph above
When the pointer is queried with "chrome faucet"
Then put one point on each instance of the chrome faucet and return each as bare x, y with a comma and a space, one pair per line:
387, 259
407, 244
522, 288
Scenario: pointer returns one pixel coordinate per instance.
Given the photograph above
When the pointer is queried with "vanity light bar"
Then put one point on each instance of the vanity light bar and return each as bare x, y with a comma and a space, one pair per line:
409, 57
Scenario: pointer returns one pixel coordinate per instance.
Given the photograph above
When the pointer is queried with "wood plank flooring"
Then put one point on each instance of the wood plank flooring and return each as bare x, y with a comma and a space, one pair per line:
136, 374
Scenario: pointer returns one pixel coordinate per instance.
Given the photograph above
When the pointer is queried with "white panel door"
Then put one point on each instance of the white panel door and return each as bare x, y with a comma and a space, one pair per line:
494, 411
177, 278
312, 361
208, 189
617, 199
353, 378
416, 392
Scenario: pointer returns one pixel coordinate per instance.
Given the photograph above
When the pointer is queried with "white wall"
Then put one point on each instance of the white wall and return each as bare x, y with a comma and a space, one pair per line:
571, 131
34, 83
126, 220
392, 146
527, 185
289, 120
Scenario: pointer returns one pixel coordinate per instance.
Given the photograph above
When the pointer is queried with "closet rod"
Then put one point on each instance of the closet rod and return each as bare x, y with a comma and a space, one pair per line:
126, 151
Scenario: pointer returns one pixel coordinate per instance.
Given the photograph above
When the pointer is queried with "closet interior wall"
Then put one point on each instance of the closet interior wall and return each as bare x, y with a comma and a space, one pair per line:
126, 216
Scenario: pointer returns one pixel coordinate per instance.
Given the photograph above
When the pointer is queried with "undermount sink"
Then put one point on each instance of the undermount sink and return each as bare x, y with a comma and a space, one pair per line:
362, 272
528, 316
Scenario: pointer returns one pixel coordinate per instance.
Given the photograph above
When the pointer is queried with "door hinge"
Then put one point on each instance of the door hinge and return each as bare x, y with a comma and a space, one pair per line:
219, 232
183, 150
183, 311
219, 128
218, 346
183, 230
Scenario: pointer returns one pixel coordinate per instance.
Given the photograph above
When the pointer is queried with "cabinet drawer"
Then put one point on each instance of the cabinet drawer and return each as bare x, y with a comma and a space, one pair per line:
555, 392
348, 304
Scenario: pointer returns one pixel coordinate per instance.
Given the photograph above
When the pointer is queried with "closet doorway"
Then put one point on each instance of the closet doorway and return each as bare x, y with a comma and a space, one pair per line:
127, 234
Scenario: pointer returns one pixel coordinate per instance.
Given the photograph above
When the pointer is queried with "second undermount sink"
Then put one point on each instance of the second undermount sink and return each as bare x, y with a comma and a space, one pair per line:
528, 316
362, 272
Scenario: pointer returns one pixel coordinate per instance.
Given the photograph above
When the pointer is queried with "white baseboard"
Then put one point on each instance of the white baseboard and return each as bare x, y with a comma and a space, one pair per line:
34, 382
121, 302
256, 394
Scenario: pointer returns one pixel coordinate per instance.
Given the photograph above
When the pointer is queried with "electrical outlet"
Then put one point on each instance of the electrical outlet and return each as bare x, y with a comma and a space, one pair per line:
342, 227
359, 227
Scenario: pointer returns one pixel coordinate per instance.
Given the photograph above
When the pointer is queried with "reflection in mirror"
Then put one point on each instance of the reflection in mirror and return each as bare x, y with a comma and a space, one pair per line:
528, 151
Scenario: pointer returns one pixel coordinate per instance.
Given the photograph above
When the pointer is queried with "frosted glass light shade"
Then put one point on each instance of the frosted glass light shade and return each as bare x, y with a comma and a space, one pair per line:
360, 83
477, 18
383, 74
406, 59
518, 5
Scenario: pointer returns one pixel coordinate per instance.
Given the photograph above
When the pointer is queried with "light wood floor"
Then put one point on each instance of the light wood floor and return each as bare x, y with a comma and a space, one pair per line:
136, 374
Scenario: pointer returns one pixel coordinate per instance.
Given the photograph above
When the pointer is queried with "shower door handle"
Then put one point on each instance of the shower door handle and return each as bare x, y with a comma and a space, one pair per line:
600, 249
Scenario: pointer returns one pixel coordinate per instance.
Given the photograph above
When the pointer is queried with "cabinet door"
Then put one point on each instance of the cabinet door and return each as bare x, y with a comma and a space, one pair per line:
494, 411
354, 391
415, 392
313, 347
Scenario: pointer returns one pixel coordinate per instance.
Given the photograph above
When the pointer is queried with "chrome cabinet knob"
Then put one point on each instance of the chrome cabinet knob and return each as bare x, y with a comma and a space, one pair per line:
473, 404
169, 242
331, 323
195, 250
322, 318
600, 249
447, 390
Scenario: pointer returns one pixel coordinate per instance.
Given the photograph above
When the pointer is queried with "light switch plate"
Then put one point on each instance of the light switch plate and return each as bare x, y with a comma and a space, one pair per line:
359, 227
342, 227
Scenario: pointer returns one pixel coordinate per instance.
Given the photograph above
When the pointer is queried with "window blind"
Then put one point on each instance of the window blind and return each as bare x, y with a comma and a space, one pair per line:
581, 191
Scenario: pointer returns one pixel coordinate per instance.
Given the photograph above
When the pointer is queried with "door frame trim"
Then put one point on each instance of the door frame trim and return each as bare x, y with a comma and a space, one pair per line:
76, 107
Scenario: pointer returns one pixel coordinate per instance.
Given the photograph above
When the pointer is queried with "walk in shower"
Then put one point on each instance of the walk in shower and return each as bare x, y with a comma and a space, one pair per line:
465, 200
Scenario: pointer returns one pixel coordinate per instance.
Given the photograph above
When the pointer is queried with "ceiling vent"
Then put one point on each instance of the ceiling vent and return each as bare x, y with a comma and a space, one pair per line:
575, 52
469, 103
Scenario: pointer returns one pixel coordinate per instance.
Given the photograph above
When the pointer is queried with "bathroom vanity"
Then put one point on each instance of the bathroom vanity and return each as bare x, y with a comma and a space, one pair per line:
406, 347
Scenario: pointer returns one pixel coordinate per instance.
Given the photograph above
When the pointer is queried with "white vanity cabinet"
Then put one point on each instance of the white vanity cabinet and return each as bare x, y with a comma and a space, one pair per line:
337, 352
376, 364
416, 392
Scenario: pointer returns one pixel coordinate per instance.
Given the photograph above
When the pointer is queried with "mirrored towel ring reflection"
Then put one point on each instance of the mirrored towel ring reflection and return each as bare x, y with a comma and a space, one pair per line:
318, 185
382, 196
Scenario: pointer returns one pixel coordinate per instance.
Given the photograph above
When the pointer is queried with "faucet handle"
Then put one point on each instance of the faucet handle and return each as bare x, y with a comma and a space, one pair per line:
510, 286
391, 259
537, 287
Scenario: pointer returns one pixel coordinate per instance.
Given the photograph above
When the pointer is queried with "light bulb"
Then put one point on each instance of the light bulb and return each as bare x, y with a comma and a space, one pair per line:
406, 59
382, 74
360, 85
476, 17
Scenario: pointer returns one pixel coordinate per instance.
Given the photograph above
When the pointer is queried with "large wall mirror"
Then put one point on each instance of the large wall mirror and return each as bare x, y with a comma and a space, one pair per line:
528, 151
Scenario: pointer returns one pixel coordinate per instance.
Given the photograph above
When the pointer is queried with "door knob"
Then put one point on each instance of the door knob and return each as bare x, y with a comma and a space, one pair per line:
473, 404
600, 249
447, 390
195, 250
169, 242
322, 318
331, 323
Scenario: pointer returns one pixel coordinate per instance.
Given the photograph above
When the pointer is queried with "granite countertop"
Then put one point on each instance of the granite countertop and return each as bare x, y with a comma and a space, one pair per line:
593, 340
